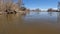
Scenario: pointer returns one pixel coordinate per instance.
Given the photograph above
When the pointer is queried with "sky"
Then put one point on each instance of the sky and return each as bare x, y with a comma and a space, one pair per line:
41, 4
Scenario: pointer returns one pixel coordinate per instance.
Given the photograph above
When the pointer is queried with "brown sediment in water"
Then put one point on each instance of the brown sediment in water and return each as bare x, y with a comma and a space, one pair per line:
29, 24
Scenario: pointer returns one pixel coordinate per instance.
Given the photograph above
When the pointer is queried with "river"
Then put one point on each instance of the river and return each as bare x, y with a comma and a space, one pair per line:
30, 23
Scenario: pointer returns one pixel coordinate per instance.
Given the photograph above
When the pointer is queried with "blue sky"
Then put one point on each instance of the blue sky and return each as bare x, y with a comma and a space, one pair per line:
42, 4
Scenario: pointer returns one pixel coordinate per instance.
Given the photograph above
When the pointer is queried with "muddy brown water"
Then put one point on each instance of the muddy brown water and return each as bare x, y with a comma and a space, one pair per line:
31, 23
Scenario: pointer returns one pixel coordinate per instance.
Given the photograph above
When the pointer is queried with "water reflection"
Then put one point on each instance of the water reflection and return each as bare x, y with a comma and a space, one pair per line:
42, 16
50, 13
13, 17
58, 17
31, 23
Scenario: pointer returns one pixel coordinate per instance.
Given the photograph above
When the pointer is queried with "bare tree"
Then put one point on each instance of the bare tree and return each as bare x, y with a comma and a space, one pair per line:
1, 5
19, 2
58, 6
9, 5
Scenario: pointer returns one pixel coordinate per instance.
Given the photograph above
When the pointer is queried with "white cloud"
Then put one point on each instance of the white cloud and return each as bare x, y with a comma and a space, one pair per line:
54, 8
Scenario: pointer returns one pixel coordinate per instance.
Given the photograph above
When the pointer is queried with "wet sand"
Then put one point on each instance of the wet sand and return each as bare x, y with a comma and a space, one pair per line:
31, 23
